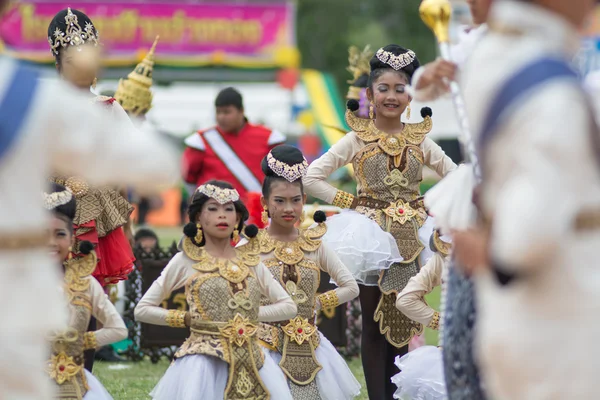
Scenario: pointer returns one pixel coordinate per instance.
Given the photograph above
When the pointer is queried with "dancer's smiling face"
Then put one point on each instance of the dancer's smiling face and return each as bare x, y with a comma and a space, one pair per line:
60, 238
388, 93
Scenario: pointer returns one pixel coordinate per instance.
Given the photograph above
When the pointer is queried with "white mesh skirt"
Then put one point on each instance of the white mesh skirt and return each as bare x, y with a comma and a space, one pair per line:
361, 244
96, 391
196, 377
421, 375
335, 381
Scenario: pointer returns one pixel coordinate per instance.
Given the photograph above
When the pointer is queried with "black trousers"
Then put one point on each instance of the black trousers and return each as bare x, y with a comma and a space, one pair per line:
88, 355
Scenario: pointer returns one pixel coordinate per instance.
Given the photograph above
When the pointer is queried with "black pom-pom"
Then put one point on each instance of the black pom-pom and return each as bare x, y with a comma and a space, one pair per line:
319, 217
85, 247
251, 231
426, 112
352, 105
190, 230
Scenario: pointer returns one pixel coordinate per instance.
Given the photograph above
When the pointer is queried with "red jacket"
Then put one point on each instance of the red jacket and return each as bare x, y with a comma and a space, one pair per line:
230, 157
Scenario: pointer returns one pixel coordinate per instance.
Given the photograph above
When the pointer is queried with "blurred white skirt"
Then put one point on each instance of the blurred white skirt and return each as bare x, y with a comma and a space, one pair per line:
204, 377
363, 247
335, 381
96, 391
421, 375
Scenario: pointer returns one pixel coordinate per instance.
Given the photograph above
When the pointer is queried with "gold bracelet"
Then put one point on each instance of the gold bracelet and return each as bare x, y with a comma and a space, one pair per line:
329, 299
89, 341
435, 321
176, 318
343, 199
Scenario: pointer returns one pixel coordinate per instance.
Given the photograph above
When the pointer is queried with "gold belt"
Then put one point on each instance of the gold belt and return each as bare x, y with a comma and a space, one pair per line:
239, 330
20, 241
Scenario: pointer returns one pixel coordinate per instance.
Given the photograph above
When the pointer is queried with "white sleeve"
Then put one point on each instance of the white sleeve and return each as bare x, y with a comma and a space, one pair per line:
329, 262
436, 158
282, 307
173, 277
104, 147
340, 154
113, 327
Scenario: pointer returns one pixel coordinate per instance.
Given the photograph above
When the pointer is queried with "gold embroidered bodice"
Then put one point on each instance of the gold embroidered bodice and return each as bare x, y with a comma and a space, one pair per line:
224, 298
297, 339
65, 365
389, 168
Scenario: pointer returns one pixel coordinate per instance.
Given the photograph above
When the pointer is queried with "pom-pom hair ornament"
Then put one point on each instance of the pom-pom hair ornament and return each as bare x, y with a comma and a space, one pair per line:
251, 231
319, 217
426, 112
353, 105
190, 230
85, 247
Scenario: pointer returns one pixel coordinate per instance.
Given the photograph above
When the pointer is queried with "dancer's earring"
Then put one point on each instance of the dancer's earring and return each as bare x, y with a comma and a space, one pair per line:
70, 253
264, 216
94, 83
408, 111
236, 236
371, 112
199, 235
302, 217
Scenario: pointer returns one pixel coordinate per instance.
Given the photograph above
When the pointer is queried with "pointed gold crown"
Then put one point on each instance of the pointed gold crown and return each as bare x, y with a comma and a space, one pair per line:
73, 35
134, 93
358, 62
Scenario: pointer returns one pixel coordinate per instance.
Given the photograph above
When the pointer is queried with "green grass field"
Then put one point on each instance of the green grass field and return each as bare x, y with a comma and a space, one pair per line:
133, 381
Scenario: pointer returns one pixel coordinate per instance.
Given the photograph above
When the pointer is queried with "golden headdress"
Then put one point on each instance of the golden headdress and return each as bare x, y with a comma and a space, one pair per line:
134, 93
71, 28
358, 66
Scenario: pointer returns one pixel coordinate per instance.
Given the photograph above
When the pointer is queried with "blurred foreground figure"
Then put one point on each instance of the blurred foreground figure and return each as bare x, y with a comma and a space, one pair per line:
48, 126
534, 254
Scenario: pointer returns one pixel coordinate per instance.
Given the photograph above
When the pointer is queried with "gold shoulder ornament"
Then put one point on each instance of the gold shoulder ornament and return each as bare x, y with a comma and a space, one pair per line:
391, 144
291, 253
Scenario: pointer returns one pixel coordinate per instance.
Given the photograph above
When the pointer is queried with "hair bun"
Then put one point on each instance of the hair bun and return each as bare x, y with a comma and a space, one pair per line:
426, 112
190, 230
85, 247
353, 105
251, 231
319, 217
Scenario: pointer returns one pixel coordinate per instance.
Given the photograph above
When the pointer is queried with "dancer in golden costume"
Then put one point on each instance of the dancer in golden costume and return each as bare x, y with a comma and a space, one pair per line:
296, 258
388, 156
222, 358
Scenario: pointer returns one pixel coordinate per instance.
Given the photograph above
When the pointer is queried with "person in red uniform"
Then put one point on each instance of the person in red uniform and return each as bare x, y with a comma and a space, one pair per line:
232, 151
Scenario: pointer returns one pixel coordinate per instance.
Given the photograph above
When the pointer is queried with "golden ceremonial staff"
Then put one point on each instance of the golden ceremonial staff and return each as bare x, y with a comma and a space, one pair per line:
436, 15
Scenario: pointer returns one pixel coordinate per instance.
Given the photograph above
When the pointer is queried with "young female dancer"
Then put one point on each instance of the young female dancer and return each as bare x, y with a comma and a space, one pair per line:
85, 299
388, 158
296, 258
221, 359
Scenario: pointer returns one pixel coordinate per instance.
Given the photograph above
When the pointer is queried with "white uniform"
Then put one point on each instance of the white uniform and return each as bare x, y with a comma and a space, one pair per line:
63, 132
537, 336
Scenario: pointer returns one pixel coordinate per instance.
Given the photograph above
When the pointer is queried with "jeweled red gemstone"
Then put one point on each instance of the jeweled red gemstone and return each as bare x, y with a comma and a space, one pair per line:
401, 211
300, 330
61, 368
241, 332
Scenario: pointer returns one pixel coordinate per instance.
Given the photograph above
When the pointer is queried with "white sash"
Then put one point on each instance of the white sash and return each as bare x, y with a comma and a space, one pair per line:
232, 161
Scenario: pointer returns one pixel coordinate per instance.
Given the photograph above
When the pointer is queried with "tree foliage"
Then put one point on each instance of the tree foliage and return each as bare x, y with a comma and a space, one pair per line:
326, 28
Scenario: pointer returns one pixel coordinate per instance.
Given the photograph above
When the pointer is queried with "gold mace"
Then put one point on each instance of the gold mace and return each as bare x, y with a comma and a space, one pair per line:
436, 15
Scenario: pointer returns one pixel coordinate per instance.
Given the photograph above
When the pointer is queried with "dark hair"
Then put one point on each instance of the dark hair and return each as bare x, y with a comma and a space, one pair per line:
197, 202
378, 67
59, 22
362, 81
287, 154
143, 233
229, 97
65, 212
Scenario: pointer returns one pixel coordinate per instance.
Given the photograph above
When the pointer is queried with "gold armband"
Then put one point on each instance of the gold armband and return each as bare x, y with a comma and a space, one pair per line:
329, 299
435, 321
176, 318
343, 199
89, 341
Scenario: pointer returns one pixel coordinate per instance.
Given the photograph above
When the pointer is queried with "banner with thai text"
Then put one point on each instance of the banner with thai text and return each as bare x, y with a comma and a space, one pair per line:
244, 35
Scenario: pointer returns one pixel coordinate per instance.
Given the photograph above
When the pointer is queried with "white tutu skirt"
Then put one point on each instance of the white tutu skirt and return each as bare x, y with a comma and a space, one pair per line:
196, 377
96, 391
421, 375
335, 381
361, 244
